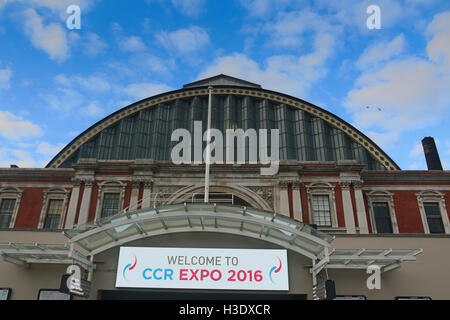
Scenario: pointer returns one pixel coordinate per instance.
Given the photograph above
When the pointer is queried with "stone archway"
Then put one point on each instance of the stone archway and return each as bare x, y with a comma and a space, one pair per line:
252, 198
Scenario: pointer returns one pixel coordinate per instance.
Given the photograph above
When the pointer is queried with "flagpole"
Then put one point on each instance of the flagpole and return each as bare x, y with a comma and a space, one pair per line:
208, 147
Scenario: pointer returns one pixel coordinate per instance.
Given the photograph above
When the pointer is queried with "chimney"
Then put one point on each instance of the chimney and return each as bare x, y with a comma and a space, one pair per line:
431, 154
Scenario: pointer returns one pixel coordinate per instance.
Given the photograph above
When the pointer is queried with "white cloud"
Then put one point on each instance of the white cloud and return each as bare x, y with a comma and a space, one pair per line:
63, 99
47, 149
381, 52
411, 92
93, 110
131, 44
5, 77
56, 6
144, 90
289, 29
91, 83
14, 127
263, 8
51, 38
416, 150
92, 44
285, 73
184, 41
21, 158
438, 48
192, 8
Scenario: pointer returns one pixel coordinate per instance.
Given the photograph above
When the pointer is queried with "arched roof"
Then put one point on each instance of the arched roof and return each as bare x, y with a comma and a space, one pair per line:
143, 129
125, 227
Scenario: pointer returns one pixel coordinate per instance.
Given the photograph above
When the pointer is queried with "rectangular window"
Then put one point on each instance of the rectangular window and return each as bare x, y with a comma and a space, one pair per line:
434, 218
54, 214
6, 212
321, 210
110, 204
382, 217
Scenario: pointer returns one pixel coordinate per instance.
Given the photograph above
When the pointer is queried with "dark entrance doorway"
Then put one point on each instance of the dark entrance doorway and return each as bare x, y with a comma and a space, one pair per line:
195, 295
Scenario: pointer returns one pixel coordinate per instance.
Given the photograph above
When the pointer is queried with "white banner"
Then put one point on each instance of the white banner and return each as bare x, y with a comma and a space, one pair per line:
192, 268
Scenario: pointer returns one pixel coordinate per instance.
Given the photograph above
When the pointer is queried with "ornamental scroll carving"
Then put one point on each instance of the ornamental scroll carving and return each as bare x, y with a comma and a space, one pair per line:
264, 192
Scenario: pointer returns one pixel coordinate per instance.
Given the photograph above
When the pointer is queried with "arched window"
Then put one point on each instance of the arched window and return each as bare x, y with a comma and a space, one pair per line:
321, 205
9, 206
382, 212
53, 209
111, 195
433, 211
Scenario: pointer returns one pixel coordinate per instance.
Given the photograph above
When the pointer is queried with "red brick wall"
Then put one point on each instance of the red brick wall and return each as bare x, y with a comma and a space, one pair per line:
93, 206
339, 206
407, 211
126, 201
304, 199
79, 203
30, 208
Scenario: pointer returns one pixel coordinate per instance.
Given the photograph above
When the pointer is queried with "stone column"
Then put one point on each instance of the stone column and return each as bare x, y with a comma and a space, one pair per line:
146, 197
360, 208
135, 194
72, 210
296, 201
348, 207
284, 198
86, 201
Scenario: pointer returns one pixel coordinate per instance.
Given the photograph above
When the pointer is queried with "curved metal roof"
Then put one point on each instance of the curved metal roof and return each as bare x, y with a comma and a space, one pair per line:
126, 227
143, 129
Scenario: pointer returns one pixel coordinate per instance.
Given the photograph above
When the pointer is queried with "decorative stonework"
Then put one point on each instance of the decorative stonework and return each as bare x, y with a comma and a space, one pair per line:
266, 193
168, 190
296, 185
284, 184
345, 185
357, 184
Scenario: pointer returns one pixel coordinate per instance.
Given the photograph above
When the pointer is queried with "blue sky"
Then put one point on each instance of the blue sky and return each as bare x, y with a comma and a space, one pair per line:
391, 83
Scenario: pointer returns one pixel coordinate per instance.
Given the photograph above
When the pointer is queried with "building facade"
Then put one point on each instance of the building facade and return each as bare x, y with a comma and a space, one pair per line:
331, 177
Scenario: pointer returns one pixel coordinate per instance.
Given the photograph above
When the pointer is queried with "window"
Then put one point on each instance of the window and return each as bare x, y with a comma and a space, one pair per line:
433, 211
382, 212
54, 214
382, 217
321, 210
322, 205
433, 215
110, 205
54, 206
6, 212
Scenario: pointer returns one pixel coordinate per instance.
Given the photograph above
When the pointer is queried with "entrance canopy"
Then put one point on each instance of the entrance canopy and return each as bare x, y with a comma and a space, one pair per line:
386, 259
25, 254
125, 227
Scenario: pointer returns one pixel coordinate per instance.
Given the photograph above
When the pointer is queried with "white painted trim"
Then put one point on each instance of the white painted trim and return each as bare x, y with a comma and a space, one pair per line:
12, 193
322, 188
110, 186
55, 193
433, 196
